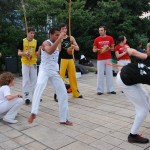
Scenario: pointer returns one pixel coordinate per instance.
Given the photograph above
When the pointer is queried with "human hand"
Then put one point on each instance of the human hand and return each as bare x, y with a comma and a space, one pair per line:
20, 96
104, 49
70, 50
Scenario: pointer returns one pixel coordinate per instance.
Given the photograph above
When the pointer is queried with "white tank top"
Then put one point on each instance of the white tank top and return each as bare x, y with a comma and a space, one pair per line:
49, 61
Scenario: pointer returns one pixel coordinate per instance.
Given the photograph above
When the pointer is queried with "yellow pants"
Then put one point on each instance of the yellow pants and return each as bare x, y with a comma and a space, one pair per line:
68, 64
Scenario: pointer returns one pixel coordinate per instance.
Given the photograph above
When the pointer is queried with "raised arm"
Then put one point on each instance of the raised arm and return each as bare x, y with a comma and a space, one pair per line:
74, 44
51, 48
134, 52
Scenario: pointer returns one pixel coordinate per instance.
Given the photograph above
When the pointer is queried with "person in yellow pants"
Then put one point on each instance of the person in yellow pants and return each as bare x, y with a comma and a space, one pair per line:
68, 46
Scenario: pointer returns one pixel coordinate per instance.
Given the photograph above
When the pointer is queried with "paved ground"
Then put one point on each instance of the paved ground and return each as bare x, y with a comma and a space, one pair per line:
100, 123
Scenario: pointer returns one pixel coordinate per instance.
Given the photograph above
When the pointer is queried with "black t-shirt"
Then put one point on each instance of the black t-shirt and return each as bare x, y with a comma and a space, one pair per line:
20, 46
134, 73
63, 53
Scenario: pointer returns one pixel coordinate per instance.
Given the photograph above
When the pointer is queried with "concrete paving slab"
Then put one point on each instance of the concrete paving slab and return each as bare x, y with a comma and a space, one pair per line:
101, 122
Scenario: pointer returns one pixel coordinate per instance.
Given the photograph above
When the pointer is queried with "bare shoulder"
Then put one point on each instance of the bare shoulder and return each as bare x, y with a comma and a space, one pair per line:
72, 38
45, 43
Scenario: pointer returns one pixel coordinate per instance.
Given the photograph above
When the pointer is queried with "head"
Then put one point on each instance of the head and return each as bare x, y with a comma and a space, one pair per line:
30, 34
102, 30
54, 33
63, 28
122, 39
148, 49
7, 78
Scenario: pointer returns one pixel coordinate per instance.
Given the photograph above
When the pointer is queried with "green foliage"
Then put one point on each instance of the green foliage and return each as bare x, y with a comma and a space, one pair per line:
121, 17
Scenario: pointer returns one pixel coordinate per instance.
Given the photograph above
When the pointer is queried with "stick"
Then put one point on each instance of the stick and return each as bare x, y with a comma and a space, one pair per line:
25, 19
69, 24
69, 17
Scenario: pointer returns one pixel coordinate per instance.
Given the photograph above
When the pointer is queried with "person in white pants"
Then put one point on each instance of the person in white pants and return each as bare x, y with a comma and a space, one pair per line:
49, 71
103, 45
10, 104
130, 80
28, 49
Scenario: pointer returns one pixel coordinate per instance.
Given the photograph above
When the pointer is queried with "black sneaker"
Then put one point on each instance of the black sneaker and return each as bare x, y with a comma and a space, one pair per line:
55, 98
27, 101
137, 139
113, 92
99, 93
80, 96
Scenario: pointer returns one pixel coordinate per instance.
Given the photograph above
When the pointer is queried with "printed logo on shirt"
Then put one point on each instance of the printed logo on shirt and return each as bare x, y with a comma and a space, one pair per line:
102, 43
144, 70
66, 44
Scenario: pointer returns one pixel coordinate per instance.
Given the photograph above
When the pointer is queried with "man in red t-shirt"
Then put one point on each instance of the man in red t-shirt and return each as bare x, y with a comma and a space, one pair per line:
103, 45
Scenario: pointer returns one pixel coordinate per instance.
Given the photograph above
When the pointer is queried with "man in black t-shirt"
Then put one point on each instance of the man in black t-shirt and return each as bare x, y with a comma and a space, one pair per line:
130, 79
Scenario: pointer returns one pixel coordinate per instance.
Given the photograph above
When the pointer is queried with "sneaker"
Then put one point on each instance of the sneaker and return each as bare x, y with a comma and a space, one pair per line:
10, 120
113, 92
80, 96
137, 139
99, 93
27, 101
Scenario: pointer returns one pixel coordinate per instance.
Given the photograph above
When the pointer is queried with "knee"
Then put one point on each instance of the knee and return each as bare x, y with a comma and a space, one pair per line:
20, 101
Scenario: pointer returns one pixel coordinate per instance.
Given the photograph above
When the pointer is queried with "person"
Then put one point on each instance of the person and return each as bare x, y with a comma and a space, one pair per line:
10, 104
48, 70
28, 50
140, 47
103, 45
121, 53
130, 80
69, 44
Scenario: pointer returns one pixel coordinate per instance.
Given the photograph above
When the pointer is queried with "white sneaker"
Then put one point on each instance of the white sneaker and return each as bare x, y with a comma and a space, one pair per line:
10, 120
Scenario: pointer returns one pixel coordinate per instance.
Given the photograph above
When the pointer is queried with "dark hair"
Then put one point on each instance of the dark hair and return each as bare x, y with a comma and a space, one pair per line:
102, 27
6, 78
53, 29
31, 29
121, 38
62, 25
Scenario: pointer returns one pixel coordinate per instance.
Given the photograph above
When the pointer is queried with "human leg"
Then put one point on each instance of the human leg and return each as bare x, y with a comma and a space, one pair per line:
40, 86
25, 81
63, 68
100, 76
62, 95
10, 109
72, 78
33, 76
109, 78
140, 99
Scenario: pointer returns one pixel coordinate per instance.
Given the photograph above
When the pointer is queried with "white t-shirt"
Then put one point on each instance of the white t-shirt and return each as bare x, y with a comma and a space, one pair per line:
49, 61
4, 91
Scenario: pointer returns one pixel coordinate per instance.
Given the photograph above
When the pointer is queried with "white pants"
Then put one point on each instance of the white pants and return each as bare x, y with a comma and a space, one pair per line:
101, 67
29, 77
123, 63
11, 108
59, 87
139, 98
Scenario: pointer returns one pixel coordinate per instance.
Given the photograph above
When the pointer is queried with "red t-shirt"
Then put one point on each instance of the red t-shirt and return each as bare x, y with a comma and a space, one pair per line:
122, 49
99, 42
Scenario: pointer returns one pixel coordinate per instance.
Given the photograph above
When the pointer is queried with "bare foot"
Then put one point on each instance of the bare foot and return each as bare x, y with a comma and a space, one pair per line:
68, 123
31, 118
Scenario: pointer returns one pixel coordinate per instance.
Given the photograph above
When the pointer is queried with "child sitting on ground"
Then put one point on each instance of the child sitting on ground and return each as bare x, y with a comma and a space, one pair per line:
9, 103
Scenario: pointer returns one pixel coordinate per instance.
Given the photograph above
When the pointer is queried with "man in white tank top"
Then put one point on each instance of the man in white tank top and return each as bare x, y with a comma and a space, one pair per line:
48, 70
